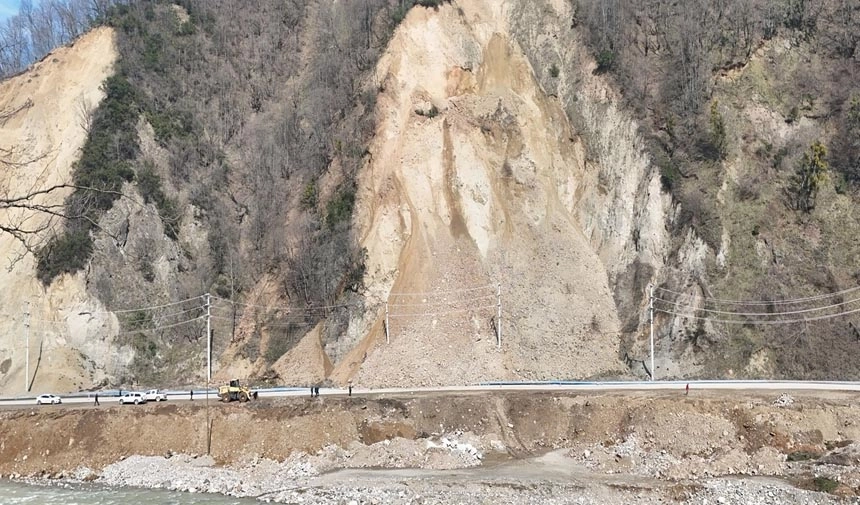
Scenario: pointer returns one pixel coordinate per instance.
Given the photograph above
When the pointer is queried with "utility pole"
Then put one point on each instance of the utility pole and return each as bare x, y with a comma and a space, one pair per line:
232, 297
387, 336
651, 316
27, 346
208, 343
499, 317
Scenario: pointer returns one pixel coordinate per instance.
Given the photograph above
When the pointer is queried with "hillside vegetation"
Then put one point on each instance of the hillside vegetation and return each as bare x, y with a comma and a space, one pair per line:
750, 111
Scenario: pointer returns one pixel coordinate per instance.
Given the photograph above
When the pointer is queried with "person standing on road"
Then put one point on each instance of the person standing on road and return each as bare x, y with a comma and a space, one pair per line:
687, 390
191, 394
97, 400
349, 386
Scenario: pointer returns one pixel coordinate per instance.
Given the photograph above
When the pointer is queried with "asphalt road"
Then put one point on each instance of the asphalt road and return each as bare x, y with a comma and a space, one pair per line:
83, 399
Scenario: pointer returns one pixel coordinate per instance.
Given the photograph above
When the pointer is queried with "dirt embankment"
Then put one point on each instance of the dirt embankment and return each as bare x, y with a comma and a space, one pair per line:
662, 436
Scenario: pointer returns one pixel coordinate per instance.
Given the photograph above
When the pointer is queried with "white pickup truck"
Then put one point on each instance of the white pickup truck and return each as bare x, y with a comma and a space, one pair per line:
154, 395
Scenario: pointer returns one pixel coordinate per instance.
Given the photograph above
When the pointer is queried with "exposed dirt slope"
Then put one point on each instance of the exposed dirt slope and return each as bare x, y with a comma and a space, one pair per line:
478, 178
45, 139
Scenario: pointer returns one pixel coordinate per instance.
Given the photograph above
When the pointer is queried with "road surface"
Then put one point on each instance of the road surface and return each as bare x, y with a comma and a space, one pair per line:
560, 386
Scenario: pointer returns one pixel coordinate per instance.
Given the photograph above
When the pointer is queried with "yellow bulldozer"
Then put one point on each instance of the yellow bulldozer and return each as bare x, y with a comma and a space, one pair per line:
234, 391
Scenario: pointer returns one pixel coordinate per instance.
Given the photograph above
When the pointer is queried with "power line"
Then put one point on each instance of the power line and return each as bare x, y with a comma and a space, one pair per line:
520, 325
173, 314
298, 316
424, 304
764, 302
753, 322
285, 307
768, 314
140, 309
278, 323
428, 314
444, 292
159, 328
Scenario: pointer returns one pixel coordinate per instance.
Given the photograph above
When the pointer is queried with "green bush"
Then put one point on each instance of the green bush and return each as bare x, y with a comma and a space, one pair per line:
340, 207
153, 49
605, 61
309, 196
808, 177
554, 71
186, 28
825, 484
136, 320
801, 456
169, 124
718, 132
670, 176
67, 253
143, 346
149, 185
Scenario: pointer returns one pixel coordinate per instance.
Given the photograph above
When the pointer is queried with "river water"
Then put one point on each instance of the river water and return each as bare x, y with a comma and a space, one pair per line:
13, 493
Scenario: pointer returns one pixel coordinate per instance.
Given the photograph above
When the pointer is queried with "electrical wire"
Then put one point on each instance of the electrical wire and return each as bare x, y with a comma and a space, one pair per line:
221, 312
485, 297
765, 302
436, 293
300, 316
296, 322
519, 325
172, 314
768, 314
735, 321
160, 328
285, 307
140, 309
430, 314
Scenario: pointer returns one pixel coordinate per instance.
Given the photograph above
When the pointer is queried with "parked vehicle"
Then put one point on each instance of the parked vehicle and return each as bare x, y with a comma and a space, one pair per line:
49, 399
131, 397
154, 395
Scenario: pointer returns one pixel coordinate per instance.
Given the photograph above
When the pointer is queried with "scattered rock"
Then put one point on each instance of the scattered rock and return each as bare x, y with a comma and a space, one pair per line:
784, 400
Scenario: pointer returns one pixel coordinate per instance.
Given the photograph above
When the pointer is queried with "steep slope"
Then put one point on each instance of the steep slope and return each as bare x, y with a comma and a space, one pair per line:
476, 194
495, 189
44, 141
412, 195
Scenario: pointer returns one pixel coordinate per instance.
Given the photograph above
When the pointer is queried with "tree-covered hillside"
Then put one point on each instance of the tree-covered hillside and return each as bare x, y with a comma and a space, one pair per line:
750, 109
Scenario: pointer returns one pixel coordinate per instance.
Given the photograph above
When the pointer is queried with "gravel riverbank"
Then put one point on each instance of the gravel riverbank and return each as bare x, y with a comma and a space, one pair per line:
513, 448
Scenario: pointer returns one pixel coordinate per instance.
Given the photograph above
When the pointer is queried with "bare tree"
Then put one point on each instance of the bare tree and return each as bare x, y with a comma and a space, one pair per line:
85, 110
27, 213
